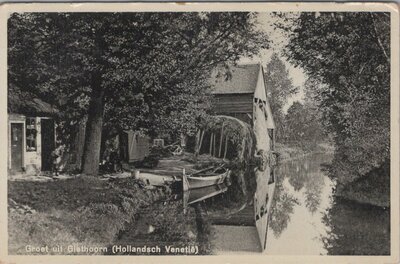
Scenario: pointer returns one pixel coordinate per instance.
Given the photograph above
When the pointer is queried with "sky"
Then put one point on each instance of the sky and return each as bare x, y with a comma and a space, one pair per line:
278, 41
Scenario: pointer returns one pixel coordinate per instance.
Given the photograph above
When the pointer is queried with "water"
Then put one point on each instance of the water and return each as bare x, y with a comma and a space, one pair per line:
306, 218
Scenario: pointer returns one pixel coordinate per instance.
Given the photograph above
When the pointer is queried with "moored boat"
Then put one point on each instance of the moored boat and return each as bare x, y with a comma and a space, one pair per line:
199, 194
204, 178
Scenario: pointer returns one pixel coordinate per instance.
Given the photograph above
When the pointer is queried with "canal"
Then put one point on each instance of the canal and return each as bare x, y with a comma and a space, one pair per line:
307, 218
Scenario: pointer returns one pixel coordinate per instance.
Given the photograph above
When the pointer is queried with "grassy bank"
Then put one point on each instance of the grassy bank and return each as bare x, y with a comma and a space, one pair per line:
82, 211
374, 188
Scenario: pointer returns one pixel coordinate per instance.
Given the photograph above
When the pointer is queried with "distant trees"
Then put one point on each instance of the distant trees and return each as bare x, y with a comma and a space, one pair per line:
303, 121
349, 55
279, 88
142, 71
303, 127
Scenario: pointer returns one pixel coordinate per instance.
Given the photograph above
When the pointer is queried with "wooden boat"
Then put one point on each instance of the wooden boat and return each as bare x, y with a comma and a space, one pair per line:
204, 178
199, 194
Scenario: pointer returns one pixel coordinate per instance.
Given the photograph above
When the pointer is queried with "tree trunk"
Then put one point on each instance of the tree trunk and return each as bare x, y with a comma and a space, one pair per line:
197, 142
76, 150
94, 127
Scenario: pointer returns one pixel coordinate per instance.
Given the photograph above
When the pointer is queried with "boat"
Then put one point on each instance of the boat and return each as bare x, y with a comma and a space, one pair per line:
207, 177
199, 194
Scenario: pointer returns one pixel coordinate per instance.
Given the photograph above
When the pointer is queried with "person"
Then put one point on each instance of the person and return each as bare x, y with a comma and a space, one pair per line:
56, 159
115, 161
262, 160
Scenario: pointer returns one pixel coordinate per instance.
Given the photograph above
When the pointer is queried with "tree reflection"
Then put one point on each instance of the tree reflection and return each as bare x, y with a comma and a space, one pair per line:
307, 179
281, 209
313, 191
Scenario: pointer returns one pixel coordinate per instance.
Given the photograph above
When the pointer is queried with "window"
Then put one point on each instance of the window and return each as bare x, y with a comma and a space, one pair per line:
271, 137
271, 177
31, 134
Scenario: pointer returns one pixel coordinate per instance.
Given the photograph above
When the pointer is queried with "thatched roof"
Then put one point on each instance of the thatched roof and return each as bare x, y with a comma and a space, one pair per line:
244, 80
21, 102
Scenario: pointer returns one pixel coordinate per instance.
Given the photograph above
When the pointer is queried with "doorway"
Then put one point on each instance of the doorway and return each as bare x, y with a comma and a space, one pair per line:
17, 146
47, 138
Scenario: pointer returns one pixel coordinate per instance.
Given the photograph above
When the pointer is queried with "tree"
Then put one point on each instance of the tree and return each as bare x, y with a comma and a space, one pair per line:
303, 125
126, 70
349, 53
279, 88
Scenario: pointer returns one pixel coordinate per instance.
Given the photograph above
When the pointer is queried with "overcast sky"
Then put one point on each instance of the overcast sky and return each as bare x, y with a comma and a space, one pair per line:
278, 40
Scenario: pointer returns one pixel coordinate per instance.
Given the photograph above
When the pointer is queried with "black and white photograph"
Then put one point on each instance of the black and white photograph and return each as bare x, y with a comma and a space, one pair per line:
201, 131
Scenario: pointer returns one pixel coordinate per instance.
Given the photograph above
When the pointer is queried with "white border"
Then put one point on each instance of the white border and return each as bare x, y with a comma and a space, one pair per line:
6, 9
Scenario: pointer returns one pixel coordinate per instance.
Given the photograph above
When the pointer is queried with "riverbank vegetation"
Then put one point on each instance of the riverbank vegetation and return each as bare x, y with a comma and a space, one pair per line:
111, 72
349, 81
95, 213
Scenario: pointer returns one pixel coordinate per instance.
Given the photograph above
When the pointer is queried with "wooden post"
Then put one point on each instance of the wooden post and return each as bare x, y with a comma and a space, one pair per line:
214, 148
196, 145
226, 146
211, 141
201, 141
242, 149
220, 140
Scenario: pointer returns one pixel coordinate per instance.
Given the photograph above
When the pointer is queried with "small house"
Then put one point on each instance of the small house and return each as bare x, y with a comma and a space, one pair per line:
31, 134
244, 96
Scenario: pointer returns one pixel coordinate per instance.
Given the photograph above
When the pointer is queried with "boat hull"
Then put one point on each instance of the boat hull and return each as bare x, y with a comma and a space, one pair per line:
195, 182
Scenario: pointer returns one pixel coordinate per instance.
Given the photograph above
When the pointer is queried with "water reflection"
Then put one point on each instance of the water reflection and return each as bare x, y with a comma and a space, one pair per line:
308, 219
282, 208
357, 229
200, 194
305, 180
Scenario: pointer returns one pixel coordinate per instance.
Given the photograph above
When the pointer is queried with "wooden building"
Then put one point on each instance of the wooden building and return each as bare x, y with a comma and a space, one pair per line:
31, 135
133, 146
244, 96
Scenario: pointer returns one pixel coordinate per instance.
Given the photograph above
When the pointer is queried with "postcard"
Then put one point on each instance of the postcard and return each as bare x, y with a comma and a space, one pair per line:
218, 132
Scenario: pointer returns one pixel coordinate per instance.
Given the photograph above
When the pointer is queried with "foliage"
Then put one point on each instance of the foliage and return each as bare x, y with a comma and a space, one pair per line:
349, 55
171, 225
371, 236
279, 88
88, 210
126, 68
238, 133
373, 189
303, 126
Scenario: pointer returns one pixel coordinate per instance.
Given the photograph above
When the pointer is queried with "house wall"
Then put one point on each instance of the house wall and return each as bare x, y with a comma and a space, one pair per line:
233, 103
133, 146
261, 115
32, 161
246, 108
14, 118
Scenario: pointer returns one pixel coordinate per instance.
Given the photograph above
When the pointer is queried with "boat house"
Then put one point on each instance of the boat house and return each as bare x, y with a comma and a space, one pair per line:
244, 96
31, 134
